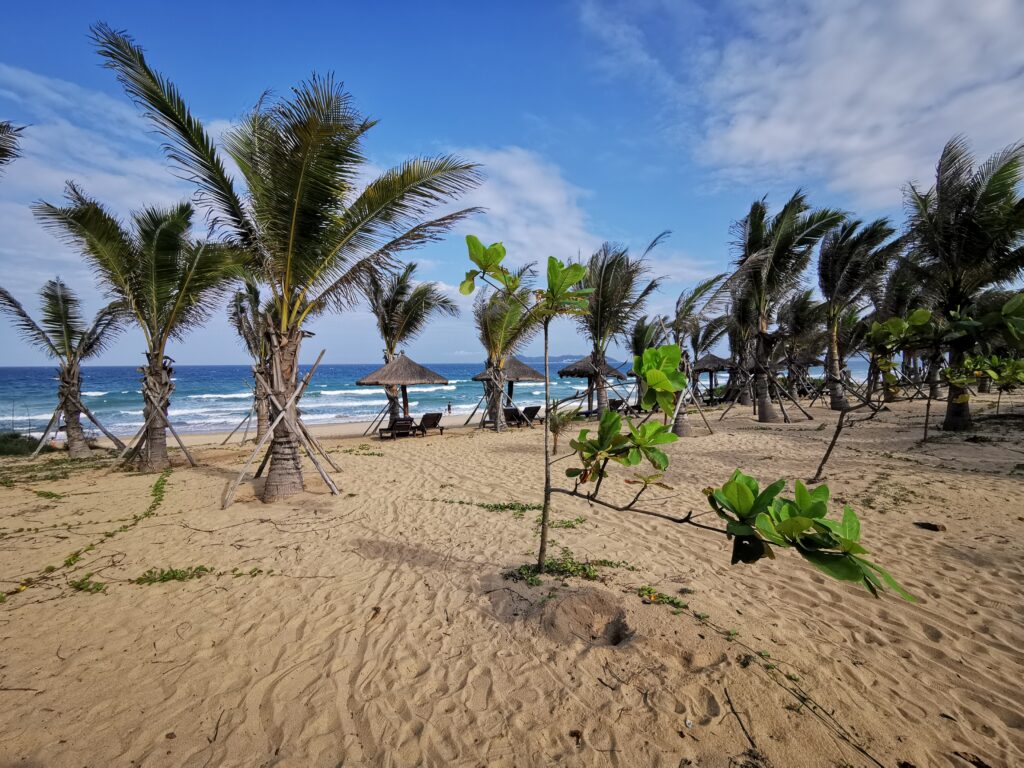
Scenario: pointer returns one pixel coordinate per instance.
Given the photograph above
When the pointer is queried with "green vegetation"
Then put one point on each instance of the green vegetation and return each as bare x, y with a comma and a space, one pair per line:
16, 444
49, 495
86, 584
154, 576
564, 566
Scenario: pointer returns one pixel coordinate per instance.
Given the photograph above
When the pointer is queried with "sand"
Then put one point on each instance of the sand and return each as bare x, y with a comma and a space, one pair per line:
376, 628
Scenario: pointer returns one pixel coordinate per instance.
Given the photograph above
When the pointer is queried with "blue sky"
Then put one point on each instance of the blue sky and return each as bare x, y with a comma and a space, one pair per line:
594, 120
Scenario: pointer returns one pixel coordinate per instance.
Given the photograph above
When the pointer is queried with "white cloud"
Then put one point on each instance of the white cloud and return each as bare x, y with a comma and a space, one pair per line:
860, 93
530, 207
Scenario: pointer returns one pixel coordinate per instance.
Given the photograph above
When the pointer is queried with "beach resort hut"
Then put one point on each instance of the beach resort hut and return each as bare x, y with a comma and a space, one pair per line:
515, 370
586, 368
402, 372
712, 365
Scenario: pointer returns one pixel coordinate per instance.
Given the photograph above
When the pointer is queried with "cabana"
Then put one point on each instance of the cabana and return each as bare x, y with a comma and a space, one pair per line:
586, 368
402, 372
515, 370
712, 365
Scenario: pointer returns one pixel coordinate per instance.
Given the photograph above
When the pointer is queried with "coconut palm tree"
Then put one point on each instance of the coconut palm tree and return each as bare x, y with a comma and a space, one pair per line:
619, 290
250, 318
801, 331
314, 238
852, 259
9, 137
402, 309
505, 325
772, 253
64, 335
160, 278
967, 235
692, 309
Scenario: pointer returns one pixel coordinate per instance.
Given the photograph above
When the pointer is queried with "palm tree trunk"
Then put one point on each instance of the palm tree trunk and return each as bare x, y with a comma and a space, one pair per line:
156, 387
69, 393
958, 402
984, 385
495, 399
837, 395
284, 478
681, 423
600, 384
934, 382
542, 552
765, 410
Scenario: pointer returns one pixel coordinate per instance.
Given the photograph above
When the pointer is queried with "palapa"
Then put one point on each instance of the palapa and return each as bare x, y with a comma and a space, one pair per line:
401, 372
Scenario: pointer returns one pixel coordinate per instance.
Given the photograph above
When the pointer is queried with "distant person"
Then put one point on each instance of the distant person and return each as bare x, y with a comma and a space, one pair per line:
449, 406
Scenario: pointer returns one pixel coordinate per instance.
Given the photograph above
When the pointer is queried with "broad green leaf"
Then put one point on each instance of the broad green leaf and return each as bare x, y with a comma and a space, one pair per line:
851, 525
919, 317
792, 527
739, 529
657, 457
468, 285
740, 498
889, 580
841, 567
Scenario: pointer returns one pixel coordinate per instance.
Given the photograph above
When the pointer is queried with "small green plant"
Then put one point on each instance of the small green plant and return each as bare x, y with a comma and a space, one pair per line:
517, 508
651, 595
564, 566
49, 495
86, 584
154, 576
575, 522
756, 520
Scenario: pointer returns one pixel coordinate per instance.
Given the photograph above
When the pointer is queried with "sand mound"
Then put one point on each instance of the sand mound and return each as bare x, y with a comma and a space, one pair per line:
590, 616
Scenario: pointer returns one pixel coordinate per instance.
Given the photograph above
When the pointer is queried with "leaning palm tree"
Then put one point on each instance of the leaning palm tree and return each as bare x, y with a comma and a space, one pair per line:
9, 138
64, 335
250, 317
160, 278
402, 309
772, 253
505, 325
967, 235
313, 238
852, 259
692, 309
619, 290
802, 333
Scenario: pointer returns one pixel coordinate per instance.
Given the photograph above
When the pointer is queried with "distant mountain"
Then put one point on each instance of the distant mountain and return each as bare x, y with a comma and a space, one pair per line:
561, 360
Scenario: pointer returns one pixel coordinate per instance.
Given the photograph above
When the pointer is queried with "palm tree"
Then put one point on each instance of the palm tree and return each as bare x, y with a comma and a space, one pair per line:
692, 309
402, 309
505, 325
249, 317
967, 235
619, 290
802, 333
852, 259
63, 335
159, 277
313, 238
772, 254
9, 136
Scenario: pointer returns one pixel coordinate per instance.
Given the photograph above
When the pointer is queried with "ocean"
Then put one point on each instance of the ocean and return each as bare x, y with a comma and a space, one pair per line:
215, 398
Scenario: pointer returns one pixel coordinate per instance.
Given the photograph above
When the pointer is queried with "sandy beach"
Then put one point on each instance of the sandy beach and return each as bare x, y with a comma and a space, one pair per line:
376, 628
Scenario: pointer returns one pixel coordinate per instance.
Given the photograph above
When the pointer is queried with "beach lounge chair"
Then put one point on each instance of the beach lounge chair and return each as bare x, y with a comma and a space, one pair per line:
530, 414
400, 427
513, 417
430, 421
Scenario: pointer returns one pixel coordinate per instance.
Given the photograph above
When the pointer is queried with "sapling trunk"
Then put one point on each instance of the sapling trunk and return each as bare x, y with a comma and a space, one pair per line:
837, 395
542, 551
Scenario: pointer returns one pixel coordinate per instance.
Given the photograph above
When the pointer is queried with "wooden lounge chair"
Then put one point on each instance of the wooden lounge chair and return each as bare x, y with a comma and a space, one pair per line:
430, 421
530, 414
403, 426
513, 417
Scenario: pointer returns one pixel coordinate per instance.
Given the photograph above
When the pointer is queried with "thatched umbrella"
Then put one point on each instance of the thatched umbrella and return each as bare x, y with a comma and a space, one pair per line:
586, 368
401, 372
711, 365
515, 370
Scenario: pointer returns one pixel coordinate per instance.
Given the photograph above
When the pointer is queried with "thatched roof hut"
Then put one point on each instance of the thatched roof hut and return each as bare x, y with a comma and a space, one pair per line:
710, 362
515, 370
401, 372
585, 368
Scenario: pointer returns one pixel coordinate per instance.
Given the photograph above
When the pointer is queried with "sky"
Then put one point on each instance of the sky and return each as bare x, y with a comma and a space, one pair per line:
593, 120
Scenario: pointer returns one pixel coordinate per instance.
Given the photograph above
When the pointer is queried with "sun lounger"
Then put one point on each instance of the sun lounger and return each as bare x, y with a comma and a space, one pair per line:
513, 417
530, 414
430, 421
400, 427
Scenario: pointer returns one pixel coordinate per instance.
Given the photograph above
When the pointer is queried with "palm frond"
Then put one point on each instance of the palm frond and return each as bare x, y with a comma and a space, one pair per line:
26, 326
9, 143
